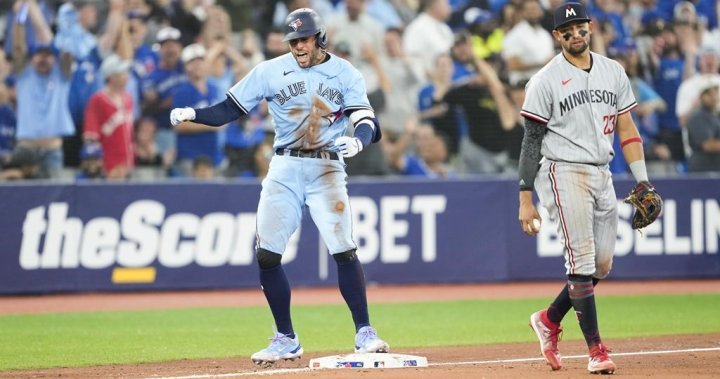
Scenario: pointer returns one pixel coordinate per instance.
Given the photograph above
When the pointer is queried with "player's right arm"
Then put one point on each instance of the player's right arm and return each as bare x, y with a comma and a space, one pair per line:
366, 127
216, 115
537, 111
241, 98
530, 156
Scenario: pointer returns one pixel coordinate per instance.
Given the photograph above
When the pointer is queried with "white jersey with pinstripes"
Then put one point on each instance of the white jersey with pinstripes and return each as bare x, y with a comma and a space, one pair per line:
579, 108
574, 184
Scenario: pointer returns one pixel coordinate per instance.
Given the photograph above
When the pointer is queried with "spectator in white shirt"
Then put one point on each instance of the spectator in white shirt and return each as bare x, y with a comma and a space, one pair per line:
527, 46
688, 95
428, 36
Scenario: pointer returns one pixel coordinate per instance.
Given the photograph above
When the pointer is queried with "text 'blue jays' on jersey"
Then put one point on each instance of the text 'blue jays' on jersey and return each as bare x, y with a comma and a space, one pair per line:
307, 105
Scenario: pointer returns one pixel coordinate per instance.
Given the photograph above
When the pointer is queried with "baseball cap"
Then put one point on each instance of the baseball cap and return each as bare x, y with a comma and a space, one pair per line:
91, 150
167, 33
709, 49
653, 22
113, 64
476, 15
193, 51
568, 13
42, 48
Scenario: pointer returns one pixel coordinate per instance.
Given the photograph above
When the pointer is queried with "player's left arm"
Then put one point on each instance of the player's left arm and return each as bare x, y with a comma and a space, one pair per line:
630, 140
366, 127
643, 197
366, 131
632, 146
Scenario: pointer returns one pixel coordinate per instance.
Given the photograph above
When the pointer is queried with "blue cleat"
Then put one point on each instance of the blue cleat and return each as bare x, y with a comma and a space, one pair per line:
281, 347
367, 341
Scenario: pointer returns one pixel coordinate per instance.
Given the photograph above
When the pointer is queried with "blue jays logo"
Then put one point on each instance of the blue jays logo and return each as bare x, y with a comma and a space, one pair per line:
295, 24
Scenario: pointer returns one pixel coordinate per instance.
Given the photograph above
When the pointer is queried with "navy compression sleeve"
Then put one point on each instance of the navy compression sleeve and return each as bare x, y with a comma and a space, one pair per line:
364, 133
218, 114
530, 153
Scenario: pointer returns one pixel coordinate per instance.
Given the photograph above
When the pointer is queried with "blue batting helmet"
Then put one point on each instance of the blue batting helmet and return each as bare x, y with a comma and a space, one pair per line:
305, 22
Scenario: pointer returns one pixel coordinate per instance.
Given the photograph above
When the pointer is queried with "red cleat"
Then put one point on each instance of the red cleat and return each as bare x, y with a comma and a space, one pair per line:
600, 362
548, 336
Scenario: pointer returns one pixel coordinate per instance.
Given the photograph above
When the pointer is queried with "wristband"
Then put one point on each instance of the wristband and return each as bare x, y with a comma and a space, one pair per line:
22, 15
630, 140
639, 171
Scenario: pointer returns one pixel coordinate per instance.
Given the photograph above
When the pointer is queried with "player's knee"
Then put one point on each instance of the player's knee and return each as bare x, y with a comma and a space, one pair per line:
267, 259
345, 257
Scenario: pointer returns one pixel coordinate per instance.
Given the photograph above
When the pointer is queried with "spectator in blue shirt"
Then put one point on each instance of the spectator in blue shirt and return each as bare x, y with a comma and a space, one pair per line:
433, 108
145, 60
194, 140
242, 140
645, 115
429, 156
158, 86
91, 162
668, 76
8, 120
43, 88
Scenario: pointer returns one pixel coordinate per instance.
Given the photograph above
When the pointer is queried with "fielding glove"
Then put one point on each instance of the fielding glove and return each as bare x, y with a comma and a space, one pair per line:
647, 203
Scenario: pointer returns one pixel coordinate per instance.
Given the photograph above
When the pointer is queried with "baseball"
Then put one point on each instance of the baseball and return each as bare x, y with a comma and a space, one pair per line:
536, 224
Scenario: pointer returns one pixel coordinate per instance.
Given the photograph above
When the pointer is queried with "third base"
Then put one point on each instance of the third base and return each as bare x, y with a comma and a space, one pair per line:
365, 361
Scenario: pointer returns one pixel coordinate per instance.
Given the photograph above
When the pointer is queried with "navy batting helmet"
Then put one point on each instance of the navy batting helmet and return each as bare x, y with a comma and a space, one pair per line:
305, 22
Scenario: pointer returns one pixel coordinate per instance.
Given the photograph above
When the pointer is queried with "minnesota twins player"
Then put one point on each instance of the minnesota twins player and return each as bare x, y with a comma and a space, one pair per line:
573, 107
313, 96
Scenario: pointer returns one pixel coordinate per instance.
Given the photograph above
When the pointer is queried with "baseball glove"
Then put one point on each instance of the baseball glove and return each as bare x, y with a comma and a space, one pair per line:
647, 203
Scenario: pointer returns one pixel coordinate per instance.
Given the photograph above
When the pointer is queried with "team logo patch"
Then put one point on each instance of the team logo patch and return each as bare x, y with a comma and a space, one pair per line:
295, 24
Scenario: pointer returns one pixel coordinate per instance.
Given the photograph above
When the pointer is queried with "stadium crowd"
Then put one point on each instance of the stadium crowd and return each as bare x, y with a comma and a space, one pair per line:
87, 86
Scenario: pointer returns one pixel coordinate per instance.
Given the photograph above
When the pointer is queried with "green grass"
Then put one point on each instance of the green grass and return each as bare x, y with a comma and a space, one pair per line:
86, 339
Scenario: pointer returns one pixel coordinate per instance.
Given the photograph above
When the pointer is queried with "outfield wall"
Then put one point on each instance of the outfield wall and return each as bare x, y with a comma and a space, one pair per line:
116, 237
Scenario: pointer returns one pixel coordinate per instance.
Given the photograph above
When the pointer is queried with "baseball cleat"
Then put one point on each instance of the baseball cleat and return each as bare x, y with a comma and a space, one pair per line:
367, 341
600, 362
281, 347
548, 335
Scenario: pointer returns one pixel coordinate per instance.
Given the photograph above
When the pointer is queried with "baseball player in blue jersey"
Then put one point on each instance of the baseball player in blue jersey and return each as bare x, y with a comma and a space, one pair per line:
313, 96
573, 107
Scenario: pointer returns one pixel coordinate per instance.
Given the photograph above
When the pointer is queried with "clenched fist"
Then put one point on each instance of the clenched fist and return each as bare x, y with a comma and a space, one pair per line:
178, 115
348, 146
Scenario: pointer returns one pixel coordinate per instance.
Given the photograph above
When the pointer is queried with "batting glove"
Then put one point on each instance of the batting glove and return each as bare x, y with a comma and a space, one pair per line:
348, 146
179, 115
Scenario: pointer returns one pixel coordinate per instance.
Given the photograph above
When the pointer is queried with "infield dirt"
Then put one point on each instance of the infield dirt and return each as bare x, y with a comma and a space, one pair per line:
482, 361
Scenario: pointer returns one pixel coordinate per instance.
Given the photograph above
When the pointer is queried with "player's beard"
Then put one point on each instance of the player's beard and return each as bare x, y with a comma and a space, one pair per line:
577, 51
311, 58
317, 56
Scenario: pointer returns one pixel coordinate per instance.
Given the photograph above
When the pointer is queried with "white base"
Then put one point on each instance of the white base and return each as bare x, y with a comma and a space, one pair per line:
365, 361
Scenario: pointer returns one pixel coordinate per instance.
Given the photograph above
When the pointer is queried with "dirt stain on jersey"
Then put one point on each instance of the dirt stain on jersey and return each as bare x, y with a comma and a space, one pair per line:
583, 178
314, 122
295, 112
339, 207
